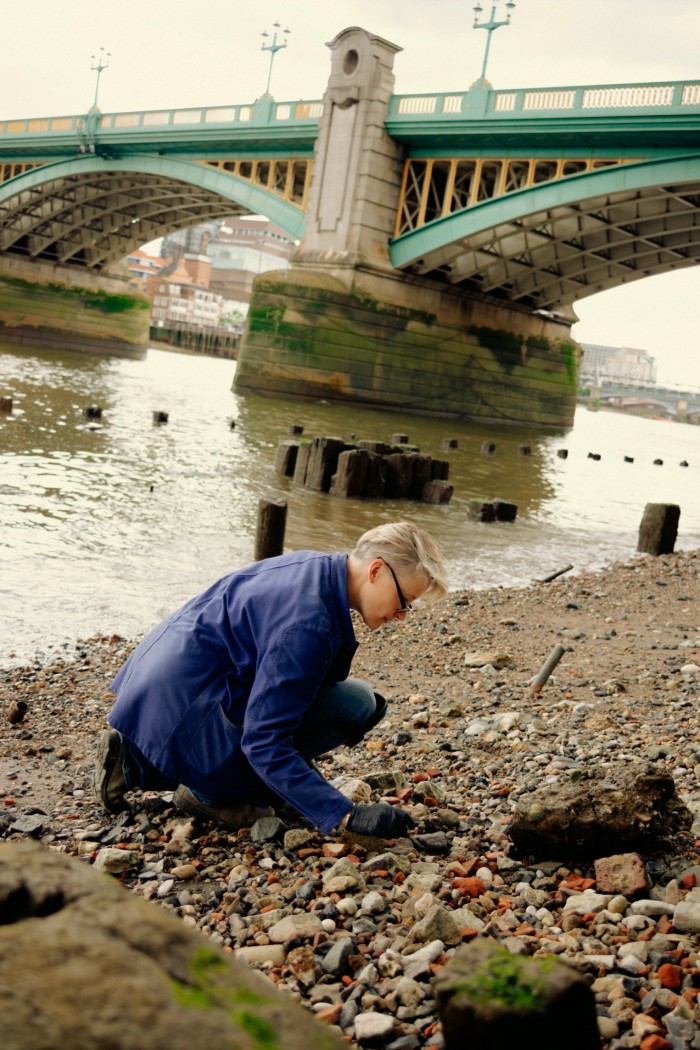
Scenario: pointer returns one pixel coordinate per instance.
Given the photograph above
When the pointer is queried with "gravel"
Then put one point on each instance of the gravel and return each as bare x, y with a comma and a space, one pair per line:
356, 928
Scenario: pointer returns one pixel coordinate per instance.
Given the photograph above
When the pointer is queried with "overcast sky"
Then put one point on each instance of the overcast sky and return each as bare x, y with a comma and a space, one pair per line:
168, 53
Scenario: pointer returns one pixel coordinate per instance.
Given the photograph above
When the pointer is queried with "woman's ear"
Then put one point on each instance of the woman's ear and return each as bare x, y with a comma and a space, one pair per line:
374, 567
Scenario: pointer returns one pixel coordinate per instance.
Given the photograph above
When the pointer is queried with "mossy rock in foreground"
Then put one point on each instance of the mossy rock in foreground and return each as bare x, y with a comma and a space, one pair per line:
85, 964
491, 999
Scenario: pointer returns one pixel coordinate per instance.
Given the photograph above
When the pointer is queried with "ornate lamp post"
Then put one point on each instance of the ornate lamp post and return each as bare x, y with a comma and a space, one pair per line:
490, 26
88, 125
99, 69
273, 48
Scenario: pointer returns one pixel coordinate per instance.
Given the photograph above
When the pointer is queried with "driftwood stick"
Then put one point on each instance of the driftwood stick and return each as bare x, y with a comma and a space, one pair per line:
546, 669
559, 572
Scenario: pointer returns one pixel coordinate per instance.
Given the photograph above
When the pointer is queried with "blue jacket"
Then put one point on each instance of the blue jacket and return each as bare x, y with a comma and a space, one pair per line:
214, 695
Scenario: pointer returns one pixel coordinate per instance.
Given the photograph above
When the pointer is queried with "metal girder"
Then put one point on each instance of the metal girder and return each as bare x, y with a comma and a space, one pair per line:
92, 211
553, 244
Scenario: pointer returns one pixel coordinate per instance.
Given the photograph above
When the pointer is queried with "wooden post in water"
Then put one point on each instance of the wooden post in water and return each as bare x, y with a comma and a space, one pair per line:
286, 458
659, 528
6, 404
269, 534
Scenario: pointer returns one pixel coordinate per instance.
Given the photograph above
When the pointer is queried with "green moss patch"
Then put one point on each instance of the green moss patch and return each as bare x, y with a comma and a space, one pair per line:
508, 981
210, 988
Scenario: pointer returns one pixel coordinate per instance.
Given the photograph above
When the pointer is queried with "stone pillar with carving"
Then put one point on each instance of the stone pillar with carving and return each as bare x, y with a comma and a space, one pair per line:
357, 169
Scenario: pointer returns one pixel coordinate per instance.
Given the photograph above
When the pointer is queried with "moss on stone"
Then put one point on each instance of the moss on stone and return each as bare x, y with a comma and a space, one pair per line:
506, 347
313, 339
508, 981
108, 302
257, 1027
210, 988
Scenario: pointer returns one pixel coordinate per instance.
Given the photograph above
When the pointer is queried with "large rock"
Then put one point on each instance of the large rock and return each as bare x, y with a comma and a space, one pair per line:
86, 965
490, 999
631, 806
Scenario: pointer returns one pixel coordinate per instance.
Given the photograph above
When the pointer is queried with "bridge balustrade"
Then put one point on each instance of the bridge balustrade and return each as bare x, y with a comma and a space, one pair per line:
574, 100
280, 112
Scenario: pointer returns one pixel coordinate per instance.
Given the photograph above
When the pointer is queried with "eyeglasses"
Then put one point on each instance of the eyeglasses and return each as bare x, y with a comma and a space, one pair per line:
405, 607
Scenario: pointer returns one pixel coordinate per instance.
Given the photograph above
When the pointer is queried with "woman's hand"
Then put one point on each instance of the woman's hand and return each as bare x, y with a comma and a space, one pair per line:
379, 820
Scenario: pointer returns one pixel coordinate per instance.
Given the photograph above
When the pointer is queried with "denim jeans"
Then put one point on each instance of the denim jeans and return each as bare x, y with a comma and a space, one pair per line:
340, 714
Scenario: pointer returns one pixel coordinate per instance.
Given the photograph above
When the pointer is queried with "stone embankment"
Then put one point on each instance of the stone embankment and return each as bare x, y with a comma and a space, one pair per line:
358, 930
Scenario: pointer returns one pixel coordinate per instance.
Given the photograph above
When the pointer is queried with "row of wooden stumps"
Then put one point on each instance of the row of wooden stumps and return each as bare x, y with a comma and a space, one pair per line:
365, 469
657, 532
93, 412
489, 448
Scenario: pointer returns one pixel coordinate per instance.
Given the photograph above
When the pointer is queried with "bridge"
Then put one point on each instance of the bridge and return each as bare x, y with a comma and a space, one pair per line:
457, 229
669, 401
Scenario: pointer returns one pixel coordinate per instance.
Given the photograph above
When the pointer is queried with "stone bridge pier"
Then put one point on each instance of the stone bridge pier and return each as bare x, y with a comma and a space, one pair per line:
343, 325
55, 307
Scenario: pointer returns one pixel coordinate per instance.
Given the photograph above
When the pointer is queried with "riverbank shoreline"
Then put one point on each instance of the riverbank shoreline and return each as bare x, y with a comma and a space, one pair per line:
626, 690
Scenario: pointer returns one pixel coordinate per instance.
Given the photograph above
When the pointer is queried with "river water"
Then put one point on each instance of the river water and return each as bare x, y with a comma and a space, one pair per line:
107, 527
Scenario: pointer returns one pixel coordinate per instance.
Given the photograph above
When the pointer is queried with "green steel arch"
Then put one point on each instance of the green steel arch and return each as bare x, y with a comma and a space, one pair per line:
91, 211
560, 241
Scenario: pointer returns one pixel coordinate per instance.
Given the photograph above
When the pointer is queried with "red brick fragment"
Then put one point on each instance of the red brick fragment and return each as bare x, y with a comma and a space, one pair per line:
331, 1014
655, 1042
671, 976
468, 933
470, 887
335, 849
622, 873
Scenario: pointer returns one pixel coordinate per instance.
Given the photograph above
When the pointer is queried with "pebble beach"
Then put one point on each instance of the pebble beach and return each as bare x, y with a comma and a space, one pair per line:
356, 929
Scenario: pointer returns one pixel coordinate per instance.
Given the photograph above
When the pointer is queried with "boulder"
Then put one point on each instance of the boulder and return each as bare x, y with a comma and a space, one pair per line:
87, 965
490, 999
633, 806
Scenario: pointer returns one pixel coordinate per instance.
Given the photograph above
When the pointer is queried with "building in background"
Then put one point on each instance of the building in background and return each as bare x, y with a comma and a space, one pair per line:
242, 248
192, 241
141, 267
616, 364
181, 297
201, 281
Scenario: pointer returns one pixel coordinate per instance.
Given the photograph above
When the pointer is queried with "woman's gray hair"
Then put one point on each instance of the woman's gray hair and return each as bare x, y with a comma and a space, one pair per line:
409, 551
